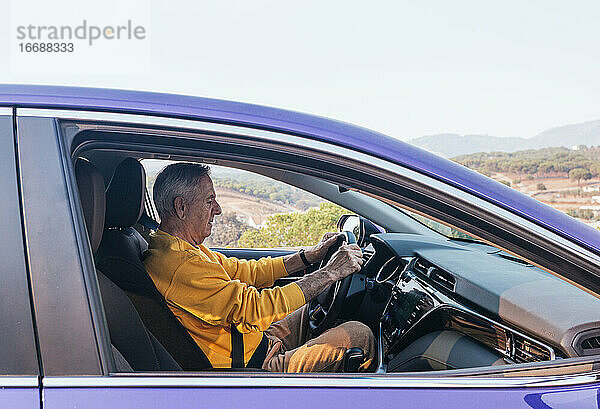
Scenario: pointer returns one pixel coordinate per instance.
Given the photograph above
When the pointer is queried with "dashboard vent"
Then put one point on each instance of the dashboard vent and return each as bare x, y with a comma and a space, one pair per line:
587, 342
591, 343
422, 266
527, 351
442, 278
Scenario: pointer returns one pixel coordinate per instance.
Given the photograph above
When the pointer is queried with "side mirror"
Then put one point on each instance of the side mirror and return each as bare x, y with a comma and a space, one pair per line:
361, 227
349, 222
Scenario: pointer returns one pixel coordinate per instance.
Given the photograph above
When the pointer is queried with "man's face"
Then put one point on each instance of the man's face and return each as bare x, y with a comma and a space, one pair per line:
203, 210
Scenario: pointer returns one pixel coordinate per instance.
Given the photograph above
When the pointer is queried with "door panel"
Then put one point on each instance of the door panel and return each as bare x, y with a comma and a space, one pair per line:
20, 398
322, 398
18, 355
55, 253
253, 254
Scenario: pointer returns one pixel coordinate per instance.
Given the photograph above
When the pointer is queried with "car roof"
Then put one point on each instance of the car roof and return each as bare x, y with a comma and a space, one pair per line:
312, 126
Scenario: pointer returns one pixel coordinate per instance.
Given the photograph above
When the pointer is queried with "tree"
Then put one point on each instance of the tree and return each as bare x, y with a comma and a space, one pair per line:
541, 186
226, 231
294, 229
546, 161
578, 174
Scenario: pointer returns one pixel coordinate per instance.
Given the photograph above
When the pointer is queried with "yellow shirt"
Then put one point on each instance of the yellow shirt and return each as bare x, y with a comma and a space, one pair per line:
208, 291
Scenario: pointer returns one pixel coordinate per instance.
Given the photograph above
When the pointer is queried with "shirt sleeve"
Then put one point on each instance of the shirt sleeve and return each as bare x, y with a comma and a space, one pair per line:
204, 289
258, 273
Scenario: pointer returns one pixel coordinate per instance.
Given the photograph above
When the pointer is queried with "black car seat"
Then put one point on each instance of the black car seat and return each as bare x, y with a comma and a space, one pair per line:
128, 335
120, 256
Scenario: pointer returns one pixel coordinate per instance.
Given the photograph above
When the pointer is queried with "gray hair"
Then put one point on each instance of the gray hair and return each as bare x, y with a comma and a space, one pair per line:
177, 179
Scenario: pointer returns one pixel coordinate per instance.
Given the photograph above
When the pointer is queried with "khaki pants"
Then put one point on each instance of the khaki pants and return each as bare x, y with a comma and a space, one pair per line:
289, 350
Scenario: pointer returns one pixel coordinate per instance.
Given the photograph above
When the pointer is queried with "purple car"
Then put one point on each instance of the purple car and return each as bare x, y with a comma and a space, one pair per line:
478, 296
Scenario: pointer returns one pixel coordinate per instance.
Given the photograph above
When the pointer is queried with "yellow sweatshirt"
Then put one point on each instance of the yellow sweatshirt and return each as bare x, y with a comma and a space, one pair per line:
208, 291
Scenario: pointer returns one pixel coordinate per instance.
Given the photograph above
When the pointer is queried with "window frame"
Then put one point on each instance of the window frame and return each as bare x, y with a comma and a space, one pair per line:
67, 305
463, 202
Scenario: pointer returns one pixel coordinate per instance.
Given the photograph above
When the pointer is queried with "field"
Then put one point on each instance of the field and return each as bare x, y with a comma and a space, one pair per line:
253, 210
581, 200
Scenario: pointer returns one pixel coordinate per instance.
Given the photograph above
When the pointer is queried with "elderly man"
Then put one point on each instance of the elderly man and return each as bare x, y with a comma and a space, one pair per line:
217, 299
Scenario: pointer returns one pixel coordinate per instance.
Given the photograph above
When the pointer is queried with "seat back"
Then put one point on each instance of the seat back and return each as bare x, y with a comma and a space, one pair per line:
120, 258
127, 332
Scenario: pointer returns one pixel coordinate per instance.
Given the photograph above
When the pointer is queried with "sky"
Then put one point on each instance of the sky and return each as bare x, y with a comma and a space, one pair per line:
404, 68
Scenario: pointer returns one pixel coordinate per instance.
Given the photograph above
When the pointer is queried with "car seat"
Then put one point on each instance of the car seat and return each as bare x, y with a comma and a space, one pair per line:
120, 256
128, 335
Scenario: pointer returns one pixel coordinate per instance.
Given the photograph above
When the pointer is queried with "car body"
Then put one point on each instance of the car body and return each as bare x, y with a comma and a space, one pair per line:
57, 349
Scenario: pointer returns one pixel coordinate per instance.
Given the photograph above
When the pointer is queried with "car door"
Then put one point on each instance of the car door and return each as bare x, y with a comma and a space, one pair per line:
255, 254
19, 369
79, 370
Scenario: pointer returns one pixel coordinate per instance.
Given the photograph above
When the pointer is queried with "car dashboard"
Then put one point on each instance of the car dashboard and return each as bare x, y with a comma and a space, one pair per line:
432, 284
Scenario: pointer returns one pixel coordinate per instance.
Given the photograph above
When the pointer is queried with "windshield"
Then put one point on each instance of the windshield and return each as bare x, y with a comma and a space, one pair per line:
439, 227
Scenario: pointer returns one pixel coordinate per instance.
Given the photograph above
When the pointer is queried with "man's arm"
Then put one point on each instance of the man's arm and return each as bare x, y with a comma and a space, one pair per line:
204, 289
263, 272
258, 273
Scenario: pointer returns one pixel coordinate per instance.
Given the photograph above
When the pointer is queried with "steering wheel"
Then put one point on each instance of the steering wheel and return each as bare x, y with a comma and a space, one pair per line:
324, 309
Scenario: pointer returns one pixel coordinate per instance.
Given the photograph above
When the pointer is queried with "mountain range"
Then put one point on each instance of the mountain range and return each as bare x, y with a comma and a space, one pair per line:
450, 145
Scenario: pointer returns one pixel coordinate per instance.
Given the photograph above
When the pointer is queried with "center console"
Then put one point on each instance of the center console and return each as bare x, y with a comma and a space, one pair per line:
421, 302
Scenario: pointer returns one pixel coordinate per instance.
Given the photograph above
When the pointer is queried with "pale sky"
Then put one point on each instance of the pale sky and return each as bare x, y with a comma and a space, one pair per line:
404, 68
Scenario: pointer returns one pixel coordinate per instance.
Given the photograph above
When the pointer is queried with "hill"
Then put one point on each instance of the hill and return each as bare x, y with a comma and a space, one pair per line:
547, 162
450, 145
585, 133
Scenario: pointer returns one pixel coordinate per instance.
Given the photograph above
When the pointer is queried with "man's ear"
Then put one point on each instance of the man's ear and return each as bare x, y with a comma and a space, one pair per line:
180, 208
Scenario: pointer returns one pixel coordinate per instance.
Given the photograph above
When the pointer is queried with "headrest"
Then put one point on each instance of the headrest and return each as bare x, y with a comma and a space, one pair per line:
91, 193
125, 194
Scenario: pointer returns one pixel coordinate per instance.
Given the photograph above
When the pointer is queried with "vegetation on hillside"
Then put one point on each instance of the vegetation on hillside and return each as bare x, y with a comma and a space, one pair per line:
580, 164
265, 188
294, 229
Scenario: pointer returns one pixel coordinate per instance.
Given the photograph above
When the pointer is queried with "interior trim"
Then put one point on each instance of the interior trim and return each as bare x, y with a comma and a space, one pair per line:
297, 381
19, 381
5, 111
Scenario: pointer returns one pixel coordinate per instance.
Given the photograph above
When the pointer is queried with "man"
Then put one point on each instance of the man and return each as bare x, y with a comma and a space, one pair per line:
216, 297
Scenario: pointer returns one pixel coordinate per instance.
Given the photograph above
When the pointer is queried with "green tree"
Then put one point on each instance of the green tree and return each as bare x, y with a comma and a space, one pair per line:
294, 229
578, 174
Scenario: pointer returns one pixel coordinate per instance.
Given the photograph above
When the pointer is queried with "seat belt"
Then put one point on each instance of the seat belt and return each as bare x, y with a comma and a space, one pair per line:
237, 348
259, 355
237, 351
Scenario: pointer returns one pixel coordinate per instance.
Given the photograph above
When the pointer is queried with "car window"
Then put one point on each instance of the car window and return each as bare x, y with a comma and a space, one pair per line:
260, 212
437, 272
18, 354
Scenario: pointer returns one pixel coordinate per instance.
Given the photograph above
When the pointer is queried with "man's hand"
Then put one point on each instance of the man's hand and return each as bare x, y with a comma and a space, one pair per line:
317, 252
347, 260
